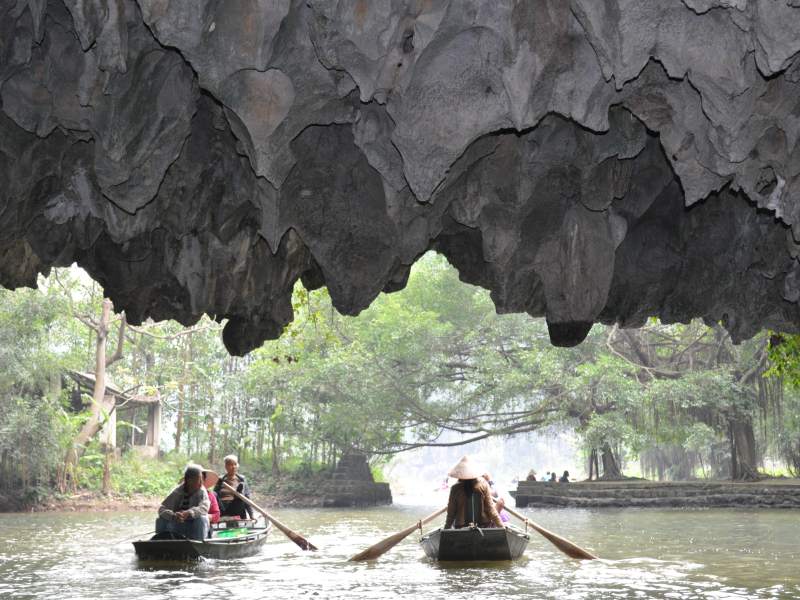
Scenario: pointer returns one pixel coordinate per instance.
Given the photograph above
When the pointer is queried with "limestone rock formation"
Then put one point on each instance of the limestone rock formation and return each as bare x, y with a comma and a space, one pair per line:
587, 161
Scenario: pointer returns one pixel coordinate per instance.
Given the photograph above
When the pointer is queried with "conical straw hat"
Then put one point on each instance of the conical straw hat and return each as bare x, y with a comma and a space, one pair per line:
466, 468
211, 477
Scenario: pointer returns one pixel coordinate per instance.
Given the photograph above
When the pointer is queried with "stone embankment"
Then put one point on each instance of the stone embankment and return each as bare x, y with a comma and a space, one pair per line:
650, 494
352, 485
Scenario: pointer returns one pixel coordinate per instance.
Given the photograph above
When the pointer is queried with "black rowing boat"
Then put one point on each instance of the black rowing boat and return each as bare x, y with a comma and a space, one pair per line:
224, 544
475, 544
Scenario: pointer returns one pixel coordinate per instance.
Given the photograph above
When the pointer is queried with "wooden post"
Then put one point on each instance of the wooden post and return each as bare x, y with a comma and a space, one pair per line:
154, 425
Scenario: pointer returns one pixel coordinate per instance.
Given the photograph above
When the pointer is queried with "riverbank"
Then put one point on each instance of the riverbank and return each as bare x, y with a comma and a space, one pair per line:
768, 493
277, 494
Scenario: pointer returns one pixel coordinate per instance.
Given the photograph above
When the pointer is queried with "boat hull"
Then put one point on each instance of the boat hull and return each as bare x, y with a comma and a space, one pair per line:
475, 544
218, 548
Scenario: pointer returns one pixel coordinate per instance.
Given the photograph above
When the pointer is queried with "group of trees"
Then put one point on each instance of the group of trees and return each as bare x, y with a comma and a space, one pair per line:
433, 358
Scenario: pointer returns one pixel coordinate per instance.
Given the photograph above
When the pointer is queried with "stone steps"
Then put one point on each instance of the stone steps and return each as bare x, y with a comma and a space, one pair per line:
655, 492
352, 485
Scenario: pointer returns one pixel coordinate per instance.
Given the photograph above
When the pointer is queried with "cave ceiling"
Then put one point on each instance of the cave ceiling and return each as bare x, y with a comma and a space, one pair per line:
587, 161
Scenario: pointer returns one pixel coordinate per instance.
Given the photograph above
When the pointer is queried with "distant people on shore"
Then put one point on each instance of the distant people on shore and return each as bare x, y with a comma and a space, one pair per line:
184, 511
550, 477
470, 499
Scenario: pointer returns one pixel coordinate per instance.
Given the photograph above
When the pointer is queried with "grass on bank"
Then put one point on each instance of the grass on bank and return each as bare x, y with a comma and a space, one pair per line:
133, 474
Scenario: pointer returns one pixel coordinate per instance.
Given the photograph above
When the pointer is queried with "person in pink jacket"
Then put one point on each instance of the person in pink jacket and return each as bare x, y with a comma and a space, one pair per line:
209, 480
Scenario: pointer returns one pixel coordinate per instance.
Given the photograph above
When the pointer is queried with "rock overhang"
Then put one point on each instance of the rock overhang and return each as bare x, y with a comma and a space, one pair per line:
585, 161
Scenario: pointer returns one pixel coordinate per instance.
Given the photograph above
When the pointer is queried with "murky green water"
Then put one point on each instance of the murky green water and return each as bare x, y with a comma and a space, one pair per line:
646, 554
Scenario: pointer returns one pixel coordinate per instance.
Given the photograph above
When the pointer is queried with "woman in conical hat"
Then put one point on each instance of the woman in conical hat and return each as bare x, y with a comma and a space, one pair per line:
470, 501
465, 468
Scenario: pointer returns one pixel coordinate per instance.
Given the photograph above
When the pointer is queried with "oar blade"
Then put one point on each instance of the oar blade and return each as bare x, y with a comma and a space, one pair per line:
292, 535
569, 548
390, 542
572, 550
381, 547
302, 542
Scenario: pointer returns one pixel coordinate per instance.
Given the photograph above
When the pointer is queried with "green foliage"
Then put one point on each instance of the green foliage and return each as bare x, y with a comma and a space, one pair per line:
34, 425
33, 431
131, 474
783, 352
377, 474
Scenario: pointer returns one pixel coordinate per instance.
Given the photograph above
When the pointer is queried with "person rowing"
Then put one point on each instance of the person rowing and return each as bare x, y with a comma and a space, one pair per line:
470, 502
229, 504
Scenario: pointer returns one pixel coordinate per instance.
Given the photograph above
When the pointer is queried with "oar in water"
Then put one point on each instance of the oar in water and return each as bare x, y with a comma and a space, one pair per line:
136, 535
570, 549
292, 535
390, 542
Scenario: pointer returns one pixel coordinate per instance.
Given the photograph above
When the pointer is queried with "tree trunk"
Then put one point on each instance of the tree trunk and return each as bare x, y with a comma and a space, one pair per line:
212, 446
100, 403
107, 471
596, 465
611, 468
182, 396
743, 450
276, 467
260, 439
702, 465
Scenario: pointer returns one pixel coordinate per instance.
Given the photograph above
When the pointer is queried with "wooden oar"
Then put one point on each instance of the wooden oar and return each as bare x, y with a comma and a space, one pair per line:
563, 544
136, 535
292, 535
390, 542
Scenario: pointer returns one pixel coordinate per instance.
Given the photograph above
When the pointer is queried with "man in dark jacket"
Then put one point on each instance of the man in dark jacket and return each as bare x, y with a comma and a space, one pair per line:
185, 510
470, 499
230, 505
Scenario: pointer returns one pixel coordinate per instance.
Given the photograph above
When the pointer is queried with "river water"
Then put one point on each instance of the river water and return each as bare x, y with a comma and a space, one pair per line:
719, 553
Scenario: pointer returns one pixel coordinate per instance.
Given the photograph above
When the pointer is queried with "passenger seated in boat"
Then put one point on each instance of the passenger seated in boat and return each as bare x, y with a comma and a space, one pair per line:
230, 505
209, 481
470, 499
531, 475
185, 510
564, 478
501, 502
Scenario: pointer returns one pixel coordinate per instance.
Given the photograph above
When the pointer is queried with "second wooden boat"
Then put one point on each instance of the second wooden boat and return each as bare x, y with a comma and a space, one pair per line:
475, 544
233, 543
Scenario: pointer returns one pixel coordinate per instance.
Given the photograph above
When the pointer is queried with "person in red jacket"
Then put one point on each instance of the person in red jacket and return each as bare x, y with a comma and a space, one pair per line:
210, 479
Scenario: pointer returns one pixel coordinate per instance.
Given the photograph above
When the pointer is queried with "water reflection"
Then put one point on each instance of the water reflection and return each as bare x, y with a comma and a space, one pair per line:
646, 554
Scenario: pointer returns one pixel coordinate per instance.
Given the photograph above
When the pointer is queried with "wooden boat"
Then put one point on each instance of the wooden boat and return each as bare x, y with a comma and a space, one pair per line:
475, 544
225, 543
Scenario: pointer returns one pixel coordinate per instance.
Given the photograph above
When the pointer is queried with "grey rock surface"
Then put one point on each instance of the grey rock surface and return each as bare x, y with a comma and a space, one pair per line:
352, 485
658, 494
585, 161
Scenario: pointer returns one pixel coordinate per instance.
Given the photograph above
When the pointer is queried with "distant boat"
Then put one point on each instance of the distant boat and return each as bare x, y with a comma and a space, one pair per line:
227, 543
475, 544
